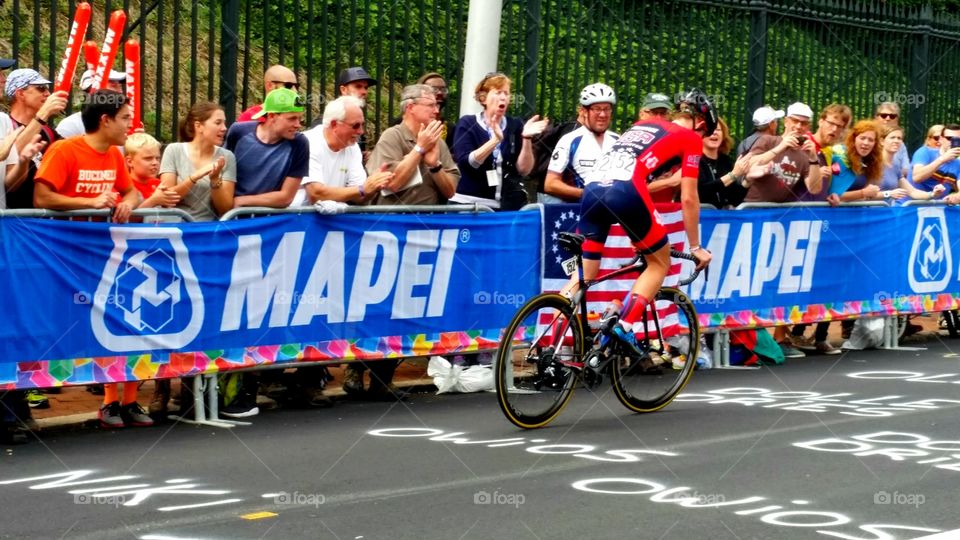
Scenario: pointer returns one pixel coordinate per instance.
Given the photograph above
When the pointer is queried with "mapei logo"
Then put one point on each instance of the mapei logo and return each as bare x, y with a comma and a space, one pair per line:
160, 305
931, 263
149, 288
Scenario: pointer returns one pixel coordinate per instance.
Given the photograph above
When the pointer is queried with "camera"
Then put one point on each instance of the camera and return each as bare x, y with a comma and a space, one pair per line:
801, 139
954, 142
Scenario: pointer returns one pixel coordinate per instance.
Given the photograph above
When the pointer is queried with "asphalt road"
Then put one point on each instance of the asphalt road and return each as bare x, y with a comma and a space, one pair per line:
826, 447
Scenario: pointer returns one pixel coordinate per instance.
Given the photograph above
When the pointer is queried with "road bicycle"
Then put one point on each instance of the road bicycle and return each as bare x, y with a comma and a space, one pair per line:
547, 350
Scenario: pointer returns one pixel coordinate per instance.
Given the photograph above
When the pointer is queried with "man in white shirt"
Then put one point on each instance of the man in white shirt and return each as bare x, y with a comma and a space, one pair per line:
577, 152
336, 170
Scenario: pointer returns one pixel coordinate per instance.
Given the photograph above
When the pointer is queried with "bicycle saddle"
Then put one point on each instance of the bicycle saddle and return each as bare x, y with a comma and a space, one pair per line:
571, 242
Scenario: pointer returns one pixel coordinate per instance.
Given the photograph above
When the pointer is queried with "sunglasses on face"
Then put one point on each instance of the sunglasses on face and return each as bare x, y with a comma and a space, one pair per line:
287, 85
935, 138
355, 126
888, 116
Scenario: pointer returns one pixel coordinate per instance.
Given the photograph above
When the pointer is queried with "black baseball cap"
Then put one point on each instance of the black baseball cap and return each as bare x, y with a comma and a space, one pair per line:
352, 74
7, 63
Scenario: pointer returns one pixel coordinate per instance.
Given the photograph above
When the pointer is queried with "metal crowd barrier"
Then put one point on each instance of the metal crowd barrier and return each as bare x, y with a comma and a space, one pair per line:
149, 215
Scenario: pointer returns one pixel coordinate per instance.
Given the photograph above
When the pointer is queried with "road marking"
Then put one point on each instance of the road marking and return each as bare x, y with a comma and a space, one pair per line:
945, 535
259, 515
200, 505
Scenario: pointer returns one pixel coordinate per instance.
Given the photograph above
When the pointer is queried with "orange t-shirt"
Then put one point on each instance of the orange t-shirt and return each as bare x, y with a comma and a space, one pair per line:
146, 187
72, 168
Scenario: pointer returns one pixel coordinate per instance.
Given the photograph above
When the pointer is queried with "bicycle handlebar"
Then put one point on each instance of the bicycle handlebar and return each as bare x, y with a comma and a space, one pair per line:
676, 254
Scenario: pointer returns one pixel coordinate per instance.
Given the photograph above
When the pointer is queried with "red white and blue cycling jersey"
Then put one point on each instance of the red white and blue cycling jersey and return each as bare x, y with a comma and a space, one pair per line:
616, 190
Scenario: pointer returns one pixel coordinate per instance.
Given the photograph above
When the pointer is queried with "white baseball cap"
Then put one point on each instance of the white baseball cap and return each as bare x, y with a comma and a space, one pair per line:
799, 109
764, 115
86, 80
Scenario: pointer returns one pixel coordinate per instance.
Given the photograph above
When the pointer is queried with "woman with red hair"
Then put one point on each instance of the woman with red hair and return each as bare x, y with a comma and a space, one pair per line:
858, 164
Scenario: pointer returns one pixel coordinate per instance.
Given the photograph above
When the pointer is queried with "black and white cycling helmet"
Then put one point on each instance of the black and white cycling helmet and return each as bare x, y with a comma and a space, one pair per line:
698, 103
597, 93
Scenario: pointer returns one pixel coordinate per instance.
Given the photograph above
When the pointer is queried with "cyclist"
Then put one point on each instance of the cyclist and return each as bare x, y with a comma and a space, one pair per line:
616, 192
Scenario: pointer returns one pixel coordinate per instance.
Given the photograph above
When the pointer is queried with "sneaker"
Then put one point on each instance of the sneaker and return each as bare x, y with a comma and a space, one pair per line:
134, 415
790, 352
243, 406
36, 400
629, 339
824, 347
110, 415
352, 380
802, 341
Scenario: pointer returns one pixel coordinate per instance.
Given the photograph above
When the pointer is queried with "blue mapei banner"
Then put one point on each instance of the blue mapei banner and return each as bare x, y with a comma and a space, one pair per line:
77, 289
796, 264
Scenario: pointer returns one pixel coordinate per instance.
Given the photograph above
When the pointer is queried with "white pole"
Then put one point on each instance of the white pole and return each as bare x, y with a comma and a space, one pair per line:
483, 44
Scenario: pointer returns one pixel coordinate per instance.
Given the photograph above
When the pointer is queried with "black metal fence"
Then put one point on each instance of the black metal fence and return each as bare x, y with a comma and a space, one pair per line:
743, 52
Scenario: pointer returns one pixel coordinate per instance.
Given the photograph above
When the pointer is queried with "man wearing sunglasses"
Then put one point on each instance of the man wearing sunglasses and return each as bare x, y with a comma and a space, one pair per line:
336, 165
276, 76
888, 114
34, 107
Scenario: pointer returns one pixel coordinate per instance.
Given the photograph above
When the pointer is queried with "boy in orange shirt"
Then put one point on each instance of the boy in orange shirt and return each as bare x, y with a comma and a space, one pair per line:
87, 172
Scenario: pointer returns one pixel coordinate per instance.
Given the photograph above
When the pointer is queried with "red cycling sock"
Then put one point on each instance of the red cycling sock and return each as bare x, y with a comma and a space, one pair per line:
633, 307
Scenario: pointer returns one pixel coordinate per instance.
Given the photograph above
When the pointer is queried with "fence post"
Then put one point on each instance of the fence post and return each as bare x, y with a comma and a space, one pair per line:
756, 60
532, 59
920, 67
229, 44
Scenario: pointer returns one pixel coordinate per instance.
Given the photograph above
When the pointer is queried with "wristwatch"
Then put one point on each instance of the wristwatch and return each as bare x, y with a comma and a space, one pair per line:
436, 168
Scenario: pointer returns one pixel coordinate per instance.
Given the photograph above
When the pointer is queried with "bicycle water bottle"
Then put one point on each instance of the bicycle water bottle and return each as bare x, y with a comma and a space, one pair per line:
610, 315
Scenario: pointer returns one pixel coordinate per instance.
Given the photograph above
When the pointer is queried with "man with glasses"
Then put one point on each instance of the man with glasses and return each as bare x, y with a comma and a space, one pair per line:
336, 166
32, 106
423, 172
276, 76
834, 119
578, 151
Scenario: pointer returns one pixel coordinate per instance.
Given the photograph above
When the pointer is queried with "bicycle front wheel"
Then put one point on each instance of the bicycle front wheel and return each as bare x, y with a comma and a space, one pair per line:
673, 332
536, 361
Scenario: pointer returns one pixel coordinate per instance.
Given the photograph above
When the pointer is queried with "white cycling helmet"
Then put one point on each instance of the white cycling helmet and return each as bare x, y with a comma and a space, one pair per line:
597, 93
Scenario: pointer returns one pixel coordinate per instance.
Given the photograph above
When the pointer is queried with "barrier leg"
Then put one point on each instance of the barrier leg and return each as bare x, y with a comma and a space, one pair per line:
891, 336
953, 322
722, 344
199, 410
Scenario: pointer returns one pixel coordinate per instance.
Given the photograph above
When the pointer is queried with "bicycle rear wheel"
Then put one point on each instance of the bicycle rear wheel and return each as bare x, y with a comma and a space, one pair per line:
674, 335
534, 372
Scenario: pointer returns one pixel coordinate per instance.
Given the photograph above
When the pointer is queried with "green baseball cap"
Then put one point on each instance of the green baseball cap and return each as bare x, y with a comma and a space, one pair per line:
281, 100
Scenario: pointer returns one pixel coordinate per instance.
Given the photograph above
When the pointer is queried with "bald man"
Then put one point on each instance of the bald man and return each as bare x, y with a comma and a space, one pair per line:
275, 77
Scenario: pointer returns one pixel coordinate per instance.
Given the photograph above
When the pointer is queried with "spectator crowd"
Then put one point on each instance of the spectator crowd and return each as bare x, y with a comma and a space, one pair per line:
91, 160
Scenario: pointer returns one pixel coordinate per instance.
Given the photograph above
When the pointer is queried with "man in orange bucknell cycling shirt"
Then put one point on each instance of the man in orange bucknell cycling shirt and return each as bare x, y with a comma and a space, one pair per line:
618, 194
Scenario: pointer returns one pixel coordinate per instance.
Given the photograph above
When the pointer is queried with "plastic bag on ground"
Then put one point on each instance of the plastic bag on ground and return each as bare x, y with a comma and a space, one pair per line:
450, 378
867, 333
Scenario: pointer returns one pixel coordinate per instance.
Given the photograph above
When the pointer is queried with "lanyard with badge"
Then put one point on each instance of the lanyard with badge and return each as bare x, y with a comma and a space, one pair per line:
495, 175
